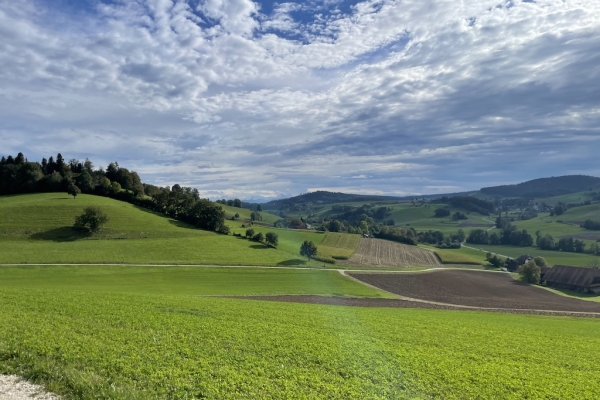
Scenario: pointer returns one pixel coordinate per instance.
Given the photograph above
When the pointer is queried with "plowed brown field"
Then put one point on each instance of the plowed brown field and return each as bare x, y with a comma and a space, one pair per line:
380, 253
475, 289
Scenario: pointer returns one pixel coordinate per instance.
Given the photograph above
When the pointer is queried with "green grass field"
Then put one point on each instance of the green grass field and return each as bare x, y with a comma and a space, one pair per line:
184, 280
267, 218
37, 228
100, 332
551, 257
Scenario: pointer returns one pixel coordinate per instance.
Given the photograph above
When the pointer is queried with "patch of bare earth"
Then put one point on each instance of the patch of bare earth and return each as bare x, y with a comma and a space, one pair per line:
14, 388
475, 289
384, 253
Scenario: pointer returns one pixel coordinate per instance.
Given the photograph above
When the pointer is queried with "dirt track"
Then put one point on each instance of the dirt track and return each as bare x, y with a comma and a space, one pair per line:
475, 289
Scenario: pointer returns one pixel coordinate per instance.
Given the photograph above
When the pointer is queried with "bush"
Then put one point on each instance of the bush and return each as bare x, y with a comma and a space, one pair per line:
442, 212
259, 237
339, 257
325, 260
224, 229
249, 233
92, 219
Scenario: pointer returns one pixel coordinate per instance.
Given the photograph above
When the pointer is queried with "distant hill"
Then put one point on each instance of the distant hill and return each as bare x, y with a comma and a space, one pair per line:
538, 188
322, 197
545, 187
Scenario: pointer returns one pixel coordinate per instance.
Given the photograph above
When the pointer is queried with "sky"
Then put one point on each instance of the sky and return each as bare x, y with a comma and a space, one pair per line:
263, 99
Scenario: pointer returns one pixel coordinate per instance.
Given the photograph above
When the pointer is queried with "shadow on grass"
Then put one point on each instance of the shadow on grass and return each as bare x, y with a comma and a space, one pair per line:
175, 222
259, 246
63, 234
292, 262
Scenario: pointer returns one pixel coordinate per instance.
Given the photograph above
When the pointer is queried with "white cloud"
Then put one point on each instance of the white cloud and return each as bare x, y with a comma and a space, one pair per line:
391, 89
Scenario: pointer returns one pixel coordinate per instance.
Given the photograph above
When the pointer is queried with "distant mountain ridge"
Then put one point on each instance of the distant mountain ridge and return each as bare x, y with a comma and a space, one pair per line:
545, 187
325, 197
540, 188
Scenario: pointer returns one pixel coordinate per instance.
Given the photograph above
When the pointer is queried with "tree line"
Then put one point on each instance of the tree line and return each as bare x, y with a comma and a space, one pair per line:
18, 175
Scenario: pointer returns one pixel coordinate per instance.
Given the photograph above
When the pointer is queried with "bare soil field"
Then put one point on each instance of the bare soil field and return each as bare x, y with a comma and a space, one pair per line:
475, 289
399, 303
380, 253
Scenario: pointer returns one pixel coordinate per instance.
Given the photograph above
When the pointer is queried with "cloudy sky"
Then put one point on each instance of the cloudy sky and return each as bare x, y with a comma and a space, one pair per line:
265, 99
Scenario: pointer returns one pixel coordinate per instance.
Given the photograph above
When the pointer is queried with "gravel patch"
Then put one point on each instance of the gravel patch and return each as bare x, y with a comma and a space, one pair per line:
15, 388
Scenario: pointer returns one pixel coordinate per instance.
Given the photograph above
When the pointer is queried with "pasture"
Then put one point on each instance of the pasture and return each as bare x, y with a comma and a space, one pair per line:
551, 257
86, 344
37, 228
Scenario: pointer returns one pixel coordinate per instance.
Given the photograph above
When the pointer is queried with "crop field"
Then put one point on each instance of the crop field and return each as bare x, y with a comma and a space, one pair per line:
336, 245
460, 256
377, 252
475, 289
145, 341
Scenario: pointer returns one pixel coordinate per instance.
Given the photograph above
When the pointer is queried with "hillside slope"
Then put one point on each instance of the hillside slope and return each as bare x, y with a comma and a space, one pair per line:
37, 228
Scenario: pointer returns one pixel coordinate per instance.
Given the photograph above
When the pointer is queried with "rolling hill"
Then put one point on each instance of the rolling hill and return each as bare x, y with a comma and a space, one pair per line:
37, 228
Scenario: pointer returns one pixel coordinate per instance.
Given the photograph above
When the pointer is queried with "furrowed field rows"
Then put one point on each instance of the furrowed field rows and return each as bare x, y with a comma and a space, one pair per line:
377, 252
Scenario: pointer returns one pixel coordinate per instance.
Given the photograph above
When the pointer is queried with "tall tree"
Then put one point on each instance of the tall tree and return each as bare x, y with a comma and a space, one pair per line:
308, 249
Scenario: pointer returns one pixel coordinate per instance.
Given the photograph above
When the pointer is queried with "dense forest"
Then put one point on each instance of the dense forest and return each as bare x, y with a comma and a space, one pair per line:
546, 187
18, 175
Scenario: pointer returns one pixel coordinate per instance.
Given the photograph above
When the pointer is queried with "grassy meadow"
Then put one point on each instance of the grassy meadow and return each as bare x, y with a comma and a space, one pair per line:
37, 228
102, 332
167, 332
195, 281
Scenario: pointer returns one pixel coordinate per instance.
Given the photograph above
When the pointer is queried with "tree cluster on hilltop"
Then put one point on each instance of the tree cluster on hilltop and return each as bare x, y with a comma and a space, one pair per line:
546, 187
18, 175
468, 203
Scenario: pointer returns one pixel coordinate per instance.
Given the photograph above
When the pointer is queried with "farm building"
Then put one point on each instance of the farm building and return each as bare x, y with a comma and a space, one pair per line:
514, 265
580, 279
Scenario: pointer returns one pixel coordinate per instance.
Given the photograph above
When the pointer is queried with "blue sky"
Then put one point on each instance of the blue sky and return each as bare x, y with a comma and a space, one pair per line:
268, 99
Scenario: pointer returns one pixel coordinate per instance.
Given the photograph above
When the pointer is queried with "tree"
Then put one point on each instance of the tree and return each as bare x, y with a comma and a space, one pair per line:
545, 242
236, 216
237, 203
530, 272
249, 233
494, 260
308, 249
73, 190
92, 219
206, 215
593, 263
258, 207
540, 261
259, 237
272, 239
441, 212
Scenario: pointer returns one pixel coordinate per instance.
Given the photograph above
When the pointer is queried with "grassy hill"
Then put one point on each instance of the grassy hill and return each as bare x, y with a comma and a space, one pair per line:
244, 213
37, 228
